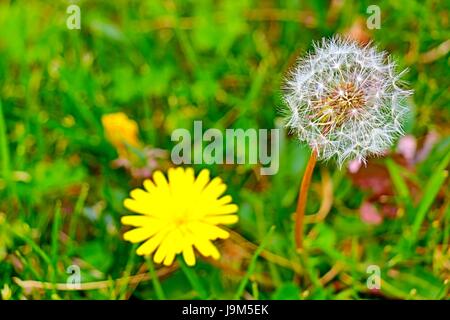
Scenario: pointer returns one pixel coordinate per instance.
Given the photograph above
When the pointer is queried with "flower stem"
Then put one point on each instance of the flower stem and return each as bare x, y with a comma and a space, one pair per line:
302, 198
193, 279
155, 279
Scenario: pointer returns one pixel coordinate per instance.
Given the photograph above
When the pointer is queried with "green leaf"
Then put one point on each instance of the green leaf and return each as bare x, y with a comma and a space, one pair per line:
399, 183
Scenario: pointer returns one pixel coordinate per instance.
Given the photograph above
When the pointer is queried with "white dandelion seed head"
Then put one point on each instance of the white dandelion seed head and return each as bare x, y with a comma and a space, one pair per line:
346, 101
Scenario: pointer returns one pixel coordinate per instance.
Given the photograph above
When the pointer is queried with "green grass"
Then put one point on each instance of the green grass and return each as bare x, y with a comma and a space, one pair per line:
166, 64
252, 265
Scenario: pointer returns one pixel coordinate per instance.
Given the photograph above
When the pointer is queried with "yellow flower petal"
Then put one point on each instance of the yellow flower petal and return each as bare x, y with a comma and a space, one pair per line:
227, 209
208, 230
120, 131
139, 234
188, 255
206, 248
168, 260
202, 180
140, 195
214, 189
149, 186
162, 251
224, 200
137, 221
160, 181
222, 219
135, 206
150, 245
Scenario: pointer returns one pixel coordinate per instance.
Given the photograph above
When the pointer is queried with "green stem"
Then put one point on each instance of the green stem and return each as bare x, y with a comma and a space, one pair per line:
252, 266
155, 280
193, 278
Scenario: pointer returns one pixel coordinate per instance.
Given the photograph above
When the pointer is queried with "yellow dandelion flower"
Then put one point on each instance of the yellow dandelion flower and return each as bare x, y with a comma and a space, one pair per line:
120, 131
178, 215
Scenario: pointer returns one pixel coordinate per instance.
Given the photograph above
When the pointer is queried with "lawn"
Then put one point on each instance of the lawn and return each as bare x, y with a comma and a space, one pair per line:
379, 231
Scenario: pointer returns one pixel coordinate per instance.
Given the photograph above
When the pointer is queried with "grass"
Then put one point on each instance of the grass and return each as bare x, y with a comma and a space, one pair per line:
169, 63
252, 265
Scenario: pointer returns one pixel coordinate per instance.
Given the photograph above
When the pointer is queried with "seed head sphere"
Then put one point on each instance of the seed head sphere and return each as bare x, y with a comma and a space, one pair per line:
346, 101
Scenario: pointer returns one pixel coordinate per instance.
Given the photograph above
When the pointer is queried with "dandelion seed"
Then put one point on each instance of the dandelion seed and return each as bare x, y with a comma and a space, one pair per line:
178, 215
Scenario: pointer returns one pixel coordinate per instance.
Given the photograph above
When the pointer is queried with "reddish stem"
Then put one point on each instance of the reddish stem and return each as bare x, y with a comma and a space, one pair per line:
302, 198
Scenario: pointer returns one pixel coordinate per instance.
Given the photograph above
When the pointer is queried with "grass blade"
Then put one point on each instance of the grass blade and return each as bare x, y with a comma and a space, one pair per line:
55, 240
155, 280
193, 278
252, 266
399, 183
78, 211
432, 188
4, 152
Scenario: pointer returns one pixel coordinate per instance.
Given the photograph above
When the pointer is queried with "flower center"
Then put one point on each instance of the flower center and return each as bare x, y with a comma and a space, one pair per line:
179, 221
334, 109
181, 218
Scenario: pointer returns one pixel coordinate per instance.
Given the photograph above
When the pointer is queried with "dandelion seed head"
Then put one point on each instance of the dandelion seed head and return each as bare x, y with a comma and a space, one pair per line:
346, 101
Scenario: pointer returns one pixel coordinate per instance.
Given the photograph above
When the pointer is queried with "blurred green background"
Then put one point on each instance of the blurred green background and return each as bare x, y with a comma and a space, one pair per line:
168, 63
